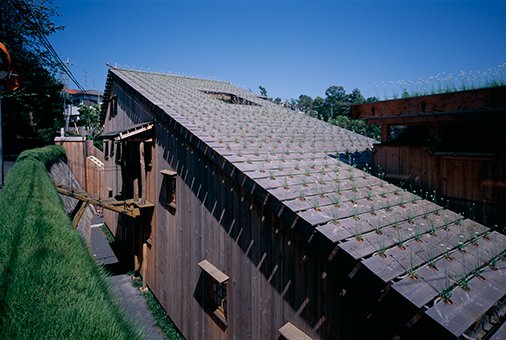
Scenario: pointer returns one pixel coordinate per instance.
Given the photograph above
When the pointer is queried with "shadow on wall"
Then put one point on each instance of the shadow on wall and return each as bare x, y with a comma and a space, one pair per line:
285, 258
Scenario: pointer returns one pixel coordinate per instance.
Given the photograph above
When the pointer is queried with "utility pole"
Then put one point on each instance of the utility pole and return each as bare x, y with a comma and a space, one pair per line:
65, 109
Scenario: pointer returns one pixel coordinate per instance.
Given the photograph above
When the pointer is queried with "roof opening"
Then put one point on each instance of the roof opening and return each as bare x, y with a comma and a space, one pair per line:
230, 98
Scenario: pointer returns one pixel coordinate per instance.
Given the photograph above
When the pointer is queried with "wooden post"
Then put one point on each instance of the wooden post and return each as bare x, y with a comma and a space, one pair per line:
142, 175
144, 264
79, 214
384, 132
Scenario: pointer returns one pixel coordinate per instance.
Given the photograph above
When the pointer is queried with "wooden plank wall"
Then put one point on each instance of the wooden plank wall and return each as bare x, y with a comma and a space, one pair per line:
275, 275
123, 112
75, 151
87, 173
463, 180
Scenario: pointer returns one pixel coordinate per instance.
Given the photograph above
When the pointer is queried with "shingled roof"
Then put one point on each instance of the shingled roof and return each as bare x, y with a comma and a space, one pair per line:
428, 255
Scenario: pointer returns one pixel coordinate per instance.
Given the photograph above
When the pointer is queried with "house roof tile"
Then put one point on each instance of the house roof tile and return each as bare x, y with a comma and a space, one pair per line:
292, 158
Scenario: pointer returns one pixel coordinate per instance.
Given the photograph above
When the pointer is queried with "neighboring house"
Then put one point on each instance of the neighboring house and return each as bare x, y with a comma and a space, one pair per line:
78, 98
251, 228
451, 144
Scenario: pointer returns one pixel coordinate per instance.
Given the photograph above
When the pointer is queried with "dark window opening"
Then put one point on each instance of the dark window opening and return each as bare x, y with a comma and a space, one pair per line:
215, 291
230, 98
106, 150
169, 188
408, 134
218, 296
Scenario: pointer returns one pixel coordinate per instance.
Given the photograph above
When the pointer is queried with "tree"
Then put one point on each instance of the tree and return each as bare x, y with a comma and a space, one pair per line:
263, 91
355, 97
337, 102
89, 118
305, 103
35, 110
319, 108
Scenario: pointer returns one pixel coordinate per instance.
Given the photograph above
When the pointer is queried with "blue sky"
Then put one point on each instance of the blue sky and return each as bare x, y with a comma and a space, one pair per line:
290, 47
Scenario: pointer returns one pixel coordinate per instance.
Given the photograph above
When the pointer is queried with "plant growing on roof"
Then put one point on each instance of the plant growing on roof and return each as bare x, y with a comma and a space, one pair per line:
302, 195
378, 226
358, 232
446, 293
399, 240
388, 206
321, 191
431, 258
315, 203
335, 218
354, 199
411, 271
272, 175
447, 255
354, 186
410, 216
382, 247
336, 201
496, 259
356, 216
432, 228
285, 183
321, 180
461, 244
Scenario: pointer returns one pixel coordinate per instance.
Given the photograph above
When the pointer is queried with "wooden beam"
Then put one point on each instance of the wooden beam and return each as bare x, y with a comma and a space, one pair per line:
79, 214
290, 332
127, 134
214, 272
486, 100
126, 207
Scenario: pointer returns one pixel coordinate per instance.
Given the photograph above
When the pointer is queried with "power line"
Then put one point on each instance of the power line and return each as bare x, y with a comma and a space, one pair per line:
27, 13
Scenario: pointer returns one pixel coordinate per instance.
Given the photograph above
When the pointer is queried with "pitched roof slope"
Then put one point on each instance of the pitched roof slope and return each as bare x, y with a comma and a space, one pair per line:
426, 253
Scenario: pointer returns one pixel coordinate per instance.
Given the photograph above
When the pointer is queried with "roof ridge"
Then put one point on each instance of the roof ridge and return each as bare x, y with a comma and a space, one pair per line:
162, 73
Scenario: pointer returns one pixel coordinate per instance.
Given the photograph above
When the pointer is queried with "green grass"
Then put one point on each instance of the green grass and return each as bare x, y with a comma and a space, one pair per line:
50, 287
162, 320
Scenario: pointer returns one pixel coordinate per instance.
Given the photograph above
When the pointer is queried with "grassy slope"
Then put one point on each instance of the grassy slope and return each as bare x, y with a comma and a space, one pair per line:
50, 287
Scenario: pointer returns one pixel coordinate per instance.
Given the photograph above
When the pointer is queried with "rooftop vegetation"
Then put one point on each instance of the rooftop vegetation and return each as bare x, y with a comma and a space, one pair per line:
443, 83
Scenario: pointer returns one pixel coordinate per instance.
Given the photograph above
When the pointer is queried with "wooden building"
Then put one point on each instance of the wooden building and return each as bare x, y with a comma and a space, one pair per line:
252, 228
452, 144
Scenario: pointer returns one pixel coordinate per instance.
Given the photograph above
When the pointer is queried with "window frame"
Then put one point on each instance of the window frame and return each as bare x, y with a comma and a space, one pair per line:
216, 290
170, 188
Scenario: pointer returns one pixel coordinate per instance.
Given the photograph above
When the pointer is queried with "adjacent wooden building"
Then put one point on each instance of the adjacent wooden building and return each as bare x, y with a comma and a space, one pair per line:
252, 228
450, 144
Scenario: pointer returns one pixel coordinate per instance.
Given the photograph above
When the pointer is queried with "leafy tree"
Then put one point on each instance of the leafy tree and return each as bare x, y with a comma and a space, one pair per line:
305, 103
335, 108
337, 102
89, 118
358, 126
320, 109
355, 97
35, 110
263, 91
291, 104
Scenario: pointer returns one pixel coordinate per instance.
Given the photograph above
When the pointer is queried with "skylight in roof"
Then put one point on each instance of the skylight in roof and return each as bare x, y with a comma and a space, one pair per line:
230, 98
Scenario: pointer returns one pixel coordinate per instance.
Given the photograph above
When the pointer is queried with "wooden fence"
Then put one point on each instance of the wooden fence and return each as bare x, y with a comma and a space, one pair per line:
86, 163
473, 184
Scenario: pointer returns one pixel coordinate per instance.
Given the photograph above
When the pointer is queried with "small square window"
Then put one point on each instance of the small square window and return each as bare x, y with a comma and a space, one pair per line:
216, 290
106, 150
169, 187
218, 297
